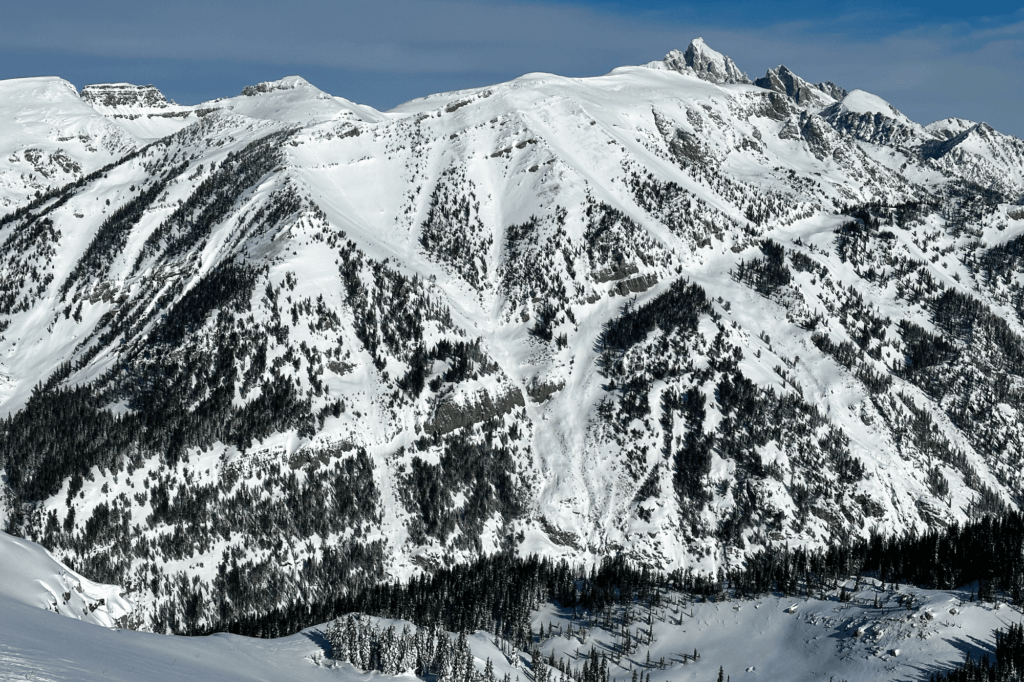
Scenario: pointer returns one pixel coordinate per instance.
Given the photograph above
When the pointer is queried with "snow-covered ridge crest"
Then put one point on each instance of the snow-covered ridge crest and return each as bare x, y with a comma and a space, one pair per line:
286, 83
862, 102
37, 89
947, 128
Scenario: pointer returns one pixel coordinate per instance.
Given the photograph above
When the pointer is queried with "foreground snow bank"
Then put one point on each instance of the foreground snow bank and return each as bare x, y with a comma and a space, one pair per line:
30, 575
877, 632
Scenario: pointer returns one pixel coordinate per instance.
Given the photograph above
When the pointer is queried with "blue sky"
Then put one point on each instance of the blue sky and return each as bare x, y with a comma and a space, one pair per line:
931, 60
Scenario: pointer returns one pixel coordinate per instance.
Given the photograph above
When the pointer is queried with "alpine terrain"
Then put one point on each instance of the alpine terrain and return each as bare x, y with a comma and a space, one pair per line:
263, 353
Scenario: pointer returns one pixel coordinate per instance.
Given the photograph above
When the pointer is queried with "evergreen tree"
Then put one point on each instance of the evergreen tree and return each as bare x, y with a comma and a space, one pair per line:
442, 664
410, 650
389, 652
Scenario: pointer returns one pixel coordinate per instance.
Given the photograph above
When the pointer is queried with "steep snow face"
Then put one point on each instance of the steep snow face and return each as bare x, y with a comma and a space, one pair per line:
949, 127
639, 313
33, 577
705, 63
986, 156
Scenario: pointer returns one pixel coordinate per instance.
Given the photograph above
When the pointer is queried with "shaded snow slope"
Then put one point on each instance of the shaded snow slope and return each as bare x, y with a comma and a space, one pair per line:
38, 645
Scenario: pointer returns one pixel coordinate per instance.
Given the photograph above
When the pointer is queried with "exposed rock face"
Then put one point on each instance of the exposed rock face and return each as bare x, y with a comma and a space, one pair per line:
451, 414
540, 392
782, 80
124, 95
617, 272
872, 119
705, 63
832, 90
876, 128
636, 285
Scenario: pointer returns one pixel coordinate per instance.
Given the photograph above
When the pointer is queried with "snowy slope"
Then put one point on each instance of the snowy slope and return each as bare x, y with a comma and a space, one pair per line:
51, 137
32, 577
320, 345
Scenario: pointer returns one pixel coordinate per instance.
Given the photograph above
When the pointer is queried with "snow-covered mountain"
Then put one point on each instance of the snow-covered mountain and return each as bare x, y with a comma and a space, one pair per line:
263, 348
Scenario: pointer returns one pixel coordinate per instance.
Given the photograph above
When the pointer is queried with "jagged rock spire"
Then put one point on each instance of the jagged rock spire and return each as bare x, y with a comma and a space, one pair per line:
782, 80
705, 63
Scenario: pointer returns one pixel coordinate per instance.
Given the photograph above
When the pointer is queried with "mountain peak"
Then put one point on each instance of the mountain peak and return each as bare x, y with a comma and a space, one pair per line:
782, 80
861, 102
37, 89
124, 95
705, 63
286, 83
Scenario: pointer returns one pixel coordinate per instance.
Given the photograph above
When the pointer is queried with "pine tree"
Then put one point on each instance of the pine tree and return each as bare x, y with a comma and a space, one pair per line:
442, 664
351, 641
389, 654
429, 649
365, 648
409, 650
462, 659
336, 637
